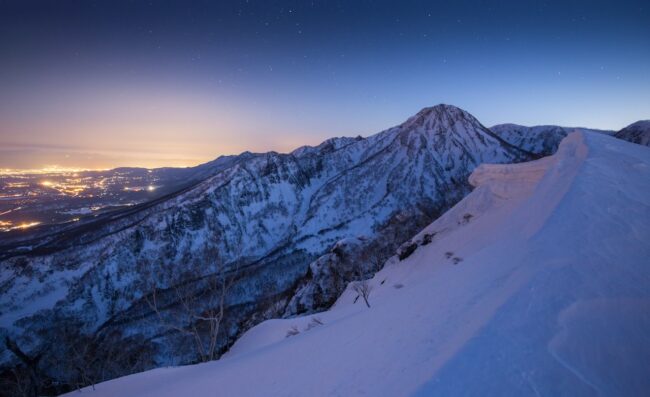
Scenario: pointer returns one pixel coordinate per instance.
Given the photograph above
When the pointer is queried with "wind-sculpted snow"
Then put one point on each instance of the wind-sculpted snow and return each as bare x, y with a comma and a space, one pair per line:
268, 215
536, 283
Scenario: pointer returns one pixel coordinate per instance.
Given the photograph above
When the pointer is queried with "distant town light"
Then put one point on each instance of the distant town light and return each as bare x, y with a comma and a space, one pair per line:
25, 225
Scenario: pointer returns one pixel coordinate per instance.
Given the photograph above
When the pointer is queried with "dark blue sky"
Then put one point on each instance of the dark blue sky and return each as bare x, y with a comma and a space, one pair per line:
107, 83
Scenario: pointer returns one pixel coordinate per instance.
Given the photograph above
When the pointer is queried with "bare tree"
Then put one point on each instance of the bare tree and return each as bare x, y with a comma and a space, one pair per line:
196, 307
21, 384
32, 388
377, 259
363, 288
374, 254
80, 357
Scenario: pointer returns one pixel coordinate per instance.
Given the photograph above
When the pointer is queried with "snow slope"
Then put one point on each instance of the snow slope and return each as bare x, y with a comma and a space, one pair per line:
540, 139
537, 283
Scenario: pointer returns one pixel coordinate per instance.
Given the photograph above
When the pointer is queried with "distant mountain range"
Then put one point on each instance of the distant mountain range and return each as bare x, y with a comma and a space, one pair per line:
294, 229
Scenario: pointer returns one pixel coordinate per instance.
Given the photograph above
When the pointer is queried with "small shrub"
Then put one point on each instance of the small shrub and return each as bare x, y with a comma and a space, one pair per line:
466, 218
449, 254
315, 322
428, 238
398, 286
457, 260
292, 331
407, 251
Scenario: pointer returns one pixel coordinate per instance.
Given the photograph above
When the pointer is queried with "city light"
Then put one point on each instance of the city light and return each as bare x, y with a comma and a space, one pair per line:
61, 192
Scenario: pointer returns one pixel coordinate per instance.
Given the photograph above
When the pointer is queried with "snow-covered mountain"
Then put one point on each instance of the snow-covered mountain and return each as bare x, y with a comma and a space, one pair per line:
536, 283
266, 216
542, 140
638, 132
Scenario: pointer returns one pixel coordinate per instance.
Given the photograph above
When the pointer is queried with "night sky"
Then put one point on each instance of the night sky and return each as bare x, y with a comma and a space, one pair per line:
98, 84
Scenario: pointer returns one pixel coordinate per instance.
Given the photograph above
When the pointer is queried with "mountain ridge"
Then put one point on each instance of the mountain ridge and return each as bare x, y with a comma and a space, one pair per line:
524, 273
299, 226
270, 215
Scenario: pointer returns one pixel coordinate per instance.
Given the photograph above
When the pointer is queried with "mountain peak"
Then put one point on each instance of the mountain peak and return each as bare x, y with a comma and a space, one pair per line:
441, 107
441, 115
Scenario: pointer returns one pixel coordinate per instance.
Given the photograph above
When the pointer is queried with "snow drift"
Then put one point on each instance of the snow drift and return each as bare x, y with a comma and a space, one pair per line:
537, 283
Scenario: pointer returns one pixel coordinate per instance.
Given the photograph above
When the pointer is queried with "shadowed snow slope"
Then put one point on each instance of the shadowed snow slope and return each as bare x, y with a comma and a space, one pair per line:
638, 132
537, 283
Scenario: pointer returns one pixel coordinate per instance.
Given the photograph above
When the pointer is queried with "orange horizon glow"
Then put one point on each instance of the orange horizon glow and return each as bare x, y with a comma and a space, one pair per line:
146, 128
47, 170
62, 161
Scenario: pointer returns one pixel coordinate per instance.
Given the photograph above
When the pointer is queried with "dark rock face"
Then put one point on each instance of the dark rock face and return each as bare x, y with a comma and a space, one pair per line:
275, 218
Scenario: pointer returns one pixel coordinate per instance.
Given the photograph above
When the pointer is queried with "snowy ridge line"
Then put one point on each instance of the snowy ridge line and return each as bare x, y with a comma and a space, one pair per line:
537, 281
496, 184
